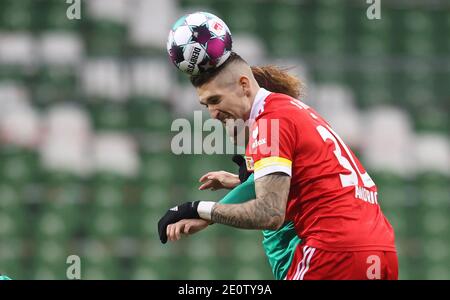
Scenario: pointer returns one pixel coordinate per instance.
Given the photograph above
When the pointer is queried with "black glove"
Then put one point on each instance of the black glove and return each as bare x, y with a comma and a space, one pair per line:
186, 210
243, 173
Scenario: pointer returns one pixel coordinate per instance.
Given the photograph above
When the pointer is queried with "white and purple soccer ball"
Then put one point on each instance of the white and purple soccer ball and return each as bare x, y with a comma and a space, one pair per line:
198, 42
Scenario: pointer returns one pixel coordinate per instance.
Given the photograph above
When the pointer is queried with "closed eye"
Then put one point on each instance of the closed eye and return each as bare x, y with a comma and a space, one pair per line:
211, 100
214, 100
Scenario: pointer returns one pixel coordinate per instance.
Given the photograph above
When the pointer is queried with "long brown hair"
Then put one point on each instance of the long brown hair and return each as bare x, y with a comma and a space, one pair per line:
277, 80
270, 77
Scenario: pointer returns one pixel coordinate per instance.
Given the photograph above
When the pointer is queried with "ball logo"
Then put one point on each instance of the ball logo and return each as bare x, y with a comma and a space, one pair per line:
217, 26
193, 60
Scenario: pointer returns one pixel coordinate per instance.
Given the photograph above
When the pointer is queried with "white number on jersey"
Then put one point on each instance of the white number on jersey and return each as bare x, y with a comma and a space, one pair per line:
346, 179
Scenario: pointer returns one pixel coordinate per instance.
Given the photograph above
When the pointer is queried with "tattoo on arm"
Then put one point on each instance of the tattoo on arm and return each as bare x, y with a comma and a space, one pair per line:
265, 212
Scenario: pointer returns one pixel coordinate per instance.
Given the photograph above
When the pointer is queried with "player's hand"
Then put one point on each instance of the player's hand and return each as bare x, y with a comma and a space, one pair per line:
219, 180
184, 227
186, 210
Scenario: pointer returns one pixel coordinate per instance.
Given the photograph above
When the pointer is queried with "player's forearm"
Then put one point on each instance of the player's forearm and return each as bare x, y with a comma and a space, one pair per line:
248, 215
267, 211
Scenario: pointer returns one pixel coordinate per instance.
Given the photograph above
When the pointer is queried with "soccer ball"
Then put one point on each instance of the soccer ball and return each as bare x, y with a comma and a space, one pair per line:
198, 42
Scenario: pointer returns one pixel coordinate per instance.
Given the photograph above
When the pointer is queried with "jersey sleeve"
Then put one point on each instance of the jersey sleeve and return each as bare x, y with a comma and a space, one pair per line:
242, 193
272, 144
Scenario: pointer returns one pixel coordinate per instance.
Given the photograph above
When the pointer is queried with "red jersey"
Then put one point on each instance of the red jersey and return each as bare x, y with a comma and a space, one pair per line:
332, 200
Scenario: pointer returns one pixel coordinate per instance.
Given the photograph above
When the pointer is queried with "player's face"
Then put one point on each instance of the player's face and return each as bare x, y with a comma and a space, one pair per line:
225, 100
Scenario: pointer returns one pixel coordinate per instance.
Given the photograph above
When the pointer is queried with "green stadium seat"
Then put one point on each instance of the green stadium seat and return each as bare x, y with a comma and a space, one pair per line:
253, 273
11, 255
150, 115
107, 115
436, 248
52, 254
105, 38
51, 15
199, 272
372, 38
145, 272
18, 166
438, 271
155, 270
436, 257
374, 87
410, 256
241, 16
99, 260
16, 15
434, 190
58, 218
155, 197
157, 169
435, 223
53, 225
248, 249
431, 118
51, 85
108, 197
329, 40
10, 198
109, 271
46, 272
285, 30
418, 33
389, 193
147, 220
441, 89
107, 224
152, 254
12, 224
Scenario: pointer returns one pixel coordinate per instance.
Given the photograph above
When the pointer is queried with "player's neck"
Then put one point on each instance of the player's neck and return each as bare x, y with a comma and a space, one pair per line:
251, 98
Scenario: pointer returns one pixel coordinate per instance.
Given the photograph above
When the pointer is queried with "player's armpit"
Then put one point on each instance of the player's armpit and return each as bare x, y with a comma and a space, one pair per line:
267, 211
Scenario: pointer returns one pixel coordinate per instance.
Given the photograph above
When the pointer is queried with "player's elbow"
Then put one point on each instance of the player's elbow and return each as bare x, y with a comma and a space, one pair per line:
275, 222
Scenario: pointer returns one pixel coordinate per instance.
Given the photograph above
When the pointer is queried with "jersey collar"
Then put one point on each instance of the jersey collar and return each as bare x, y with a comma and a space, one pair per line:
258, 103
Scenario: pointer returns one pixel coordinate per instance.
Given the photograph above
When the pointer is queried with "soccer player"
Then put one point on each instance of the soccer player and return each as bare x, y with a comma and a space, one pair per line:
279, 245
303, 173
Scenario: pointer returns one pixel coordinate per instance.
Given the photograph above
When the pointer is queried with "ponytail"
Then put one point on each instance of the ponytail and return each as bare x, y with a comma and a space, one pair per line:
277, 80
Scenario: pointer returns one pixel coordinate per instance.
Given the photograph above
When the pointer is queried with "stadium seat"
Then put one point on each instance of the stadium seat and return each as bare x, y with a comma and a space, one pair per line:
51, 15
106, 224
150, 115
157, 169
155, 197
52, 225
105, 38
16, 15
51, 253
108, 271
434, 189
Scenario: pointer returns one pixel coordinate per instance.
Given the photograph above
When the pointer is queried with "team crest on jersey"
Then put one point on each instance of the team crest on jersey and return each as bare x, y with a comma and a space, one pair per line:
249, 163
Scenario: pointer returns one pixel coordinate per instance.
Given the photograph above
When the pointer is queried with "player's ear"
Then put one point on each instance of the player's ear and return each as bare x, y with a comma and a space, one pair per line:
244, 83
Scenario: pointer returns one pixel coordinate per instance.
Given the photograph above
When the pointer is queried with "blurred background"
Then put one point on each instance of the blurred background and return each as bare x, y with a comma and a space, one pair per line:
86, 108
